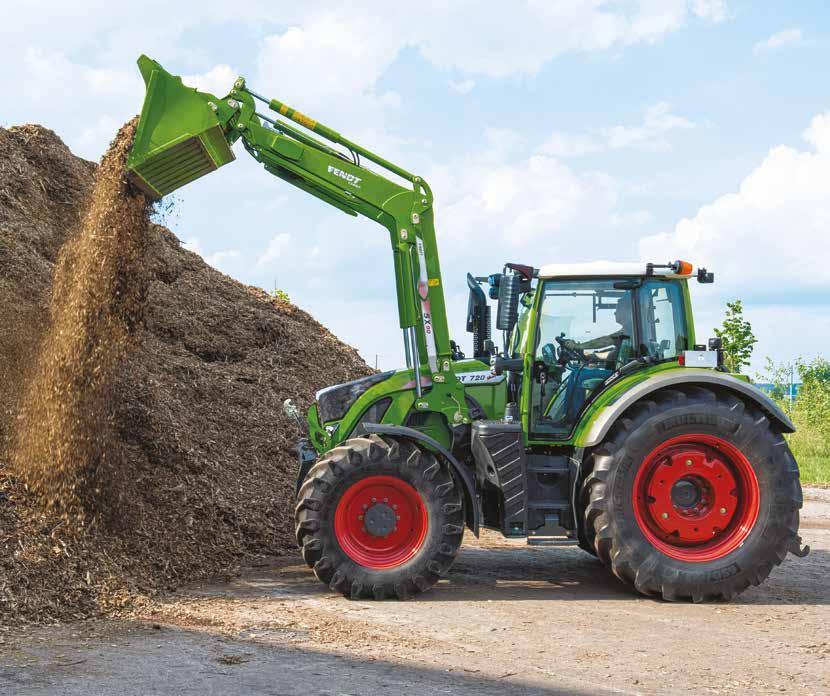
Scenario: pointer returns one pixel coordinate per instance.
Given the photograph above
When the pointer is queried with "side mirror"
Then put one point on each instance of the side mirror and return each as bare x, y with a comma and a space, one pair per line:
478, 317
704, 276
508, 309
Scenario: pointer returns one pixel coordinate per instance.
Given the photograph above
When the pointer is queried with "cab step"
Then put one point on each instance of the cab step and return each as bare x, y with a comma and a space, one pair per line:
550, 541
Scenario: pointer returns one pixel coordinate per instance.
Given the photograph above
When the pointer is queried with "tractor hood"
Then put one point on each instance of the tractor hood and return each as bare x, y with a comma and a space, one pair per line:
333, 402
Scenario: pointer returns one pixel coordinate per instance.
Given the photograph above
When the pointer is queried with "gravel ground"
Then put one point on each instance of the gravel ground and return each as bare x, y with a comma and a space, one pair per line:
509, 619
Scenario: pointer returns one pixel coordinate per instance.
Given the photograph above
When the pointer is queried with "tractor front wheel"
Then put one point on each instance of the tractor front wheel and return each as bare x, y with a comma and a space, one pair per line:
378, 519
693, 495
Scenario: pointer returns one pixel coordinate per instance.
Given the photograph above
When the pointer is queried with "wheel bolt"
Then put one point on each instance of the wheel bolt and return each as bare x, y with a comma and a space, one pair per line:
688, 462
365, 506
386, 500
360, 517
665, 515
394, 507
397, 517
723, 511
374, 500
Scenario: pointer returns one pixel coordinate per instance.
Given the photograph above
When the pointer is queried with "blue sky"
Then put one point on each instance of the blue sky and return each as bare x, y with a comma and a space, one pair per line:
549, 131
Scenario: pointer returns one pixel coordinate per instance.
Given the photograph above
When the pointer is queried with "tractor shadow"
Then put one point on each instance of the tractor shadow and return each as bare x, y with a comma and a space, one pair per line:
521, 573
510, 572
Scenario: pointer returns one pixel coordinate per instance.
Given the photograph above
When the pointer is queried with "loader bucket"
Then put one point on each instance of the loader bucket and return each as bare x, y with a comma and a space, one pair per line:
178, 138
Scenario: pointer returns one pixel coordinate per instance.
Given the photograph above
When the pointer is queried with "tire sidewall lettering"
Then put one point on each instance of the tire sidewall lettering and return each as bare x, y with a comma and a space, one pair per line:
660, 428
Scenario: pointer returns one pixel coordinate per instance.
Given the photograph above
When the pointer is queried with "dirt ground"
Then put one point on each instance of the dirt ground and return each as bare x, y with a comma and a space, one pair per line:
509, 619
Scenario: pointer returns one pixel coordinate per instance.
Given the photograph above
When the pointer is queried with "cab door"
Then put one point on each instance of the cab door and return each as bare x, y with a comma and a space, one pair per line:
584, 331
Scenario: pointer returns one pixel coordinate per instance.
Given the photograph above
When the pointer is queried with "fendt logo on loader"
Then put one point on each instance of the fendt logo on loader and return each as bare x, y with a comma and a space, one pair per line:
351, 178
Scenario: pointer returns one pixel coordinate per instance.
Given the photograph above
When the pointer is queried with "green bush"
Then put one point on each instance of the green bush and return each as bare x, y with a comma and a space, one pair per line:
280, 295
810, 411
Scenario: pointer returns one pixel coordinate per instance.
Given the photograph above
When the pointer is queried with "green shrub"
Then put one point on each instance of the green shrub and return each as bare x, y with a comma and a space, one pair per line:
280, 295
811, 414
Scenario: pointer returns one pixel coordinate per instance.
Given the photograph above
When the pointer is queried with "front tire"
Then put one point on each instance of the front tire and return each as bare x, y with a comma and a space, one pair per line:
692, 496
378, 519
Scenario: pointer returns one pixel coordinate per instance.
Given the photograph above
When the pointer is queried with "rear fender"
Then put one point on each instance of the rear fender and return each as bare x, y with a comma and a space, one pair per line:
606, 418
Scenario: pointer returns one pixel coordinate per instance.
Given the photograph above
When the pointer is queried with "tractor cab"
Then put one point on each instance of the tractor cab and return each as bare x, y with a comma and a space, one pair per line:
576, 328
589, 326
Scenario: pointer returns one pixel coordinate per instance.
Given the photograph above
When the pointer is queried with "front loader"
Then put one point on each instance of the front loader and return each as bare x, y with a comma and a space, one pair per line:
597, 420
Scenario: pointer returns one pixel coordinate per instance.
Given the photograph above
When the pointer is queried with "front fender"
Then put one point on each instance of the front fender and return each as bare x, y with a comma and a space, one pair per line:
606, 417
467, 481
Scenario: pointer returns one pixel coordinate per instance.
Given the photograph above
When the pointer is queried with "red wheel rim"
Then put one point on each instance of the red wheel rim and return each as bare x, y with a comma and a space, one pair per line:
696, 498
380, 522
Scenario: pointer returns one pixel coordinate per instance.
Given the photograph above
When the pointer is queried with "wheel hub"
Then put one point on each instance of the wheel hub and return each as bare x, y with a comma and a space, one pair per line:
696, 497
686, 493
379, 520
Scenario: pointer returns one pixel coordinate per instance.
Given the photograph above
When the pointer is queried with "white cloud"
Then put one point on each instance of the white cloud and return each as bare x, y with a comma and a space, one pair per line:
328, 62
818, 133
659, 121
194, 244
651, 134
462, 86
769, 241
531, 34
516, 203
95, 136
217, 81
561, 144
501, 143
331, 61
712, 10
276, 249
220, 260
53, 77
329, 66
788, 37
223, 260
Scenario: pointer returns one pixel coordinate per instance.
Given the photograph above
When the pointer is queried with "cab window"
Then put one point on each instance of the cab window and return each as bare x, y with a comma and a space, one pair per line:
585, 332
663, 333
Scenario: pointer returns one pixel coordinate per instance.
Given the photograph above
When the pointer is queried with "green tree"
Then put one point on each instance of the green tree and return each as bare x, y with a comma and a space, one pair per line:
815, 372
738, 339
813, 402
779, 375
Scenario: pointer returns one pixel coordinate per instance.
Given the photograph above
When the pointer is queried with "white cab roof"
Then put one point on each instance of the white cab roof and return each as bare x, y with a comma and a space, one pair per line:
602, 268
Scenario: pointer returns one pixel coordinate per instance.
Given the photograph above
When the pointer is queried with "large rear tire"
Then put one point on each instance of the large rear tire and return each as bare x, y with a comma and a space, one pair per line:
378, 519
692, 496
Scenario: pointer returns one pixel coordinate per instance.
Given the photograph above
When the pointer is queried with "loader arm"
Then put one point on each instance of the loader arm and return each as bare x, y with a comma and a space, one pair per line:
184, 134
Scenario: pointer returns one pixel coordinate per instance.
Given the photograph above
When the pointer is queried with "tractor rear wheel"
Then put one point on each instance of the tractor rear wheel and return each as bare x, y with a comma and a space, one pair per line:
378, 519
693, 495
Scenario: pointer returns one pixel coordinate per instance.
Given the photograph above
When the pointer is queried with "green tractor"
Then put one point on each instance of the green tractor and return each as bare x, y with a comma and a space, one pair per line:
596, 419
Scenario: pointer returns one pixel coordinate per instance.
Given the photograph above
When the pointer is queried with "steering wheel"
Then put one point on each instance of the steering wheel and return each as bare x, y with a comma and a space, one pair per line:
568, 350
